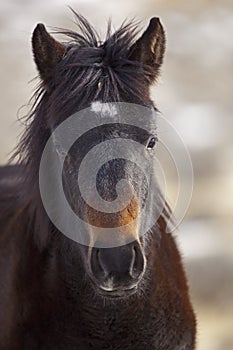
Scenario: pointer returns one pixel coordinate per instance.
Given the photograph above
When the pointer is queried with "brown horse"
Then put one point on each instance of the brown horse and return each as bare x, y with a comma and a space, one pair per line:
54, 292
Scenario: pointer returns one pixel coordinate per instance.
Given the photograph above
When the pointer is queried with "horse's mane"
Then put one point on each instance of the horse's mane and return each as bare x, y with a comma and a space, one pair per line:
91, 69
89, 62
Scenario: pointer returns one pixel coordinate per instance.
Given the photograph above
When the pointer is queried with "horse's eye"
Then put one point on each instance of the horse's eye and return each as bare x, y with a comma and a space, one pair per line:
152, 142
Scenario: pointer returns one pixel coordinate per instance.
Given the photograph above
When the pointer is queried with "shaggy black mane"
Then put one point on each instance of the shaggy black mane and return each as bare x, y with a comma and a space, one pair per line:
90, 70
93, 69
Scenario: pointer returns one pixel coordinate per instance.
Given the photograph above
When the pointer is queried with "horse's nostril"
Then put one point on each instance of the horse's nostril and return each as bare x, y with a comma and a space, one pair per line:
96, 266
138, 262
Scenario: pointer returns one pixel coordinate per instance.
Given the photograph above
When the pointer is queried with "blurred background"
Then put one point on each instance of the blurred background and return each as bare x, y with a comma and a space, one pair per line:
194, 93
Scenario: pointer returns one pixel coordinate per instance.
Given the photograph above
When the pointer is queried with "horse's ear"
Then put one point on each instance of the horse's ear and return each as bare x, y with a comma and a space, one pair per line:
150, 47
47, 52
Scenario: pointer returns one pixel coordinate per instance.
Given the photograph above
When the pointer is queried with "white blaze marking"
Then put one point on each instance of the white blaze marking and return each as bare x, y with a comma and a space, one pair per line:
106, 109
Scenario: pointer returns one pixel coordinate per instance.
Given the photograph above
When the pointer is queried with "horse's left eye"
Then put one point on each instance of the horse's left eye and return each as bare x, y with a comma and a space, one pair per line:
152, 142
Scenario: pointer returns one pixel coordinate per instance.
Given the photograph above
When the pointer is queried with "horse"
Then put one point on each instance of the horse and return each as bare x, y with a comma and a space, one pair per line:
56, 293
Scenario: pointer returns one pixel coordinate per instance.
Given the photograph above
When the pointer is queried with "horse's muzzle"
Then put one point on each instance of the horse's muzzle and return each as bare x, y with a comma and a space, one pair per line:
117, 271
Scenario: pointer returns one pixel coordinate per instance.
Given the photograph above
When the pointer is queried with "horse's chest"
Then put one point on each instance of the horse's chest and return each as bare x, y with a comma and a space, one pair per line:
99, 333
109, 336
96, 329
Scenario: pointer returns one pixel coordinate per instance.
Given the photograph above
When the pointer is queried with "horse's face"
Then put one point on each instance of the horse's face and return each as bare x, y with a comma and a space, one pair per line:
114, 265
115, 260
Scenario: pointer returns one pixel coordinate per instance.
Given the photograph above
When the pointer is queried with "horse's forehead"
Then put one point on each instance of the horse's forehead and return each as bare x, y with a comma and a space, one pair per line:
112, 113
